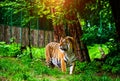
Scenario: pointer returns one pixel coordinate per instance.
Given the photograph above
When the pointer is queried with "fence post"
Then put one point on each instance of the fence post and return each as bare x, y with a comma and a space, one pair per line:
21, 28
29, 38
38, 32
11, 25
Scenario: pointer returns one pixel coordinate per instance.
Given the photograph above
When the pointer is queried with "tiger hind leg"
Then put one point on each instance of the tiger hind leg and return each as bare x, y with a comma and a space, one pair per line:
48, 58
63, 66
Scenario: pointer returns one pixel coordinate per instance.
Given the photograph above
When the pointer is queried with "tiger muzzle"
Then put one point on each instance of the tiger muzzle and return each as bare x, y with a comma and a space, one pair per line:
64, 48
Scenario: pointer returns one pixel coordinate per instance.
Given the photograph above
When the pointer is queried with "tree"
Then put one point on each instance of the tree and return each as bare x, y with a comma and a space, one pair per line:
64, 14
66, 22
115, 5
57, 17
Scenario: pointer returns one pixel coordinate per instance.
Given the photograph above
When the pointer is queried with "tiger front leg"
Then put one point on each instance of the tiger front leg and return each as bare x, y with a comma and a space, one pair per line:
63, 65
48, 62
72, 68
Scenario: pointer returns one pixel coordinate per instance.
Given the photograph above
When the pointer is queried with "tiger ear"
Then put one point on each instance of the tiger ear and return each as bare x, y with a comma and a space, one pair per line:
61, 39
70, 38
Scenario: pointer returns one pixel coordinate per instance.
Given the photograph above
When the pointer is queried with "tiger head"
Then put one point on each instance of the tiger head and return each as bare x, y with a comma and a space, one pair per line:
67, 44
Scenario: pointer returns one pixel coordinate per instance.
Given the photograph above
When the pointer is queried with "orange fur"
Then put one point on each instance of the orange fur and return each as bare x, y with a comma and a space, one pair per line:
61, 54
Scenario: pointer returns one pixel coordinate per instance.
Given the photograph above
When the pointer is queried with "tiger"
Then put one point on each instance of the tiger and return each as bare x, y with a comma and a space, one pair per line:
62, 54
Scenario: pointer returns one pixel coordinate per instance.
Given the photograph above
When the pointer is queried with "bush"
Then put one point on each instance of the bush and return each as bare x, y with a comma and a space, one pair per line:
9, 50
112, 63
89, 67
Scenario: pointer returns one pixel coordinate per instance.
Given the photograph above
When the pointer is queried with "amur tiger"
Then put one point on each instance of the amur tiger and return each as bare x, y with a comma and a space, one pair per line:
61, 54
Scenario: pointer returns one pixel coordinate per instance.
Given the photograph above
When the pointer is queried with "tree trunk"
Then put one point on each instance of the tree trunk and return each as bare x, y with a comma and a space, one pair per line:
58, 29
115, 5
29, 29
74, 28
76, 33
29, 37
58, 32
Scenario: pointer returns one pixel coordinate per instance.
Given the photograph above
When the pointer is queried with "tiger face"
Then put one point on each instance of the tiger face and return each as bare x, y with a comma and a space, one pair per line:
64, 45
61, 54
67, 44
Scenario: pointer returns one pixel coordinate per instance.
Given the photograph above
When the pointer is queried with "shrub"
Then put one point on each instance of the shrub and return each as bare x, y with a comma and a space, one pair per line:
113, 58
80, 67
9, 50
84, 66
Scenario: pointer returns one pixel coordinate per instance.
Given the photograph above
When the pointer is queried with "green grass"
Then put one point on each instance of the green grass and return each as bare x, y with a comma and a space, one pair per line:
25, 69
12, 69
38, 53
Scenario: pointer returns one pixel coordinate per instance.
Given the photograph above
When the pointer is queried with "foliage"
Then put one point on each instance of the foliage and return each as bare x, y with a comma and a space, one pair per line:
26, 10
35, 70
38, 53
97, 16
99, 26
88, 72
91, 67
90, 38
9, 50
94, 51
112, 63
24, 68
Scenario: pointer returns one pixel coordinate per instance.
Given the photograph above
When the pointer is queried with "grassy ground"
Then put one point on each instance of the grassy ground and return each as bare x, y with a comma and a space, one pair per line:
13, 69
23, 68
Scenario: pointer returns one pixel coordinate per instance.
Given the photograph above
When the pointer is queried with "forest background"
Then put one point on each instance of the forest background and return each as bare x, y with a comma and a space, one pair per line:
92, 23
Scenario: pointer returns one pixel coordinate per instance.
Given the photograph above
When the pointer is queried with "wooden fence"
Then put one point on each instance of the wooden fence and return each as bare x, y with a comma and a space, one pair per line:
39, 38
